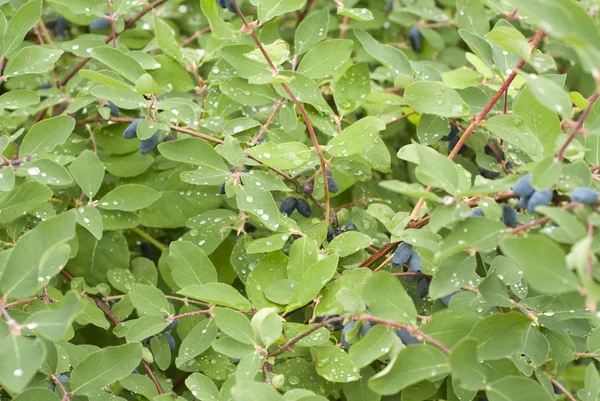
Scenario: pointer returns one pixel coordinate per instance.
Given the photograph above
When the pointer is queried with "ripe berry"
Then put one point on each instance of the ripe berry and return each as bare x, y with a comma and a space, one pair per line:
328, 171
114, 110
288, 205
100, 23
416, 39
309, 187
170, 138
230, 6
333, 185
222, 190
350, 226
170, 340
406, 337
488, 174
422, 287
61, 26
509, 216
388, 5
522, 204
129, 132
446, 300
414, 266
477, 212
585, 195
539, 198
147, 145
171, 326
63, 378
402, 255
365, 328
221, 3
347, 327
146, 250
451, 134
332, 233
523, 186
303, 207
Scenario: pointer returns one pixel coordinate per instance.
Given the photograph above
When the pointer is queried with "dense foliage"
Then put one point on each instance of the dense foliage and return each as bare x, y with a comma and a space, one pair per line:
299, 200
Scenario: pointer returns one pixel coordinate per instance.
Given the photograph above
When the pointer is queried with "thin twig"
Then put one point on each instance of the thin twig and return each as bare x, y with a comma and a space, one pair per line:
149, 238
267, 124
112, 25
561, 153
195, 36
561, 388
66, 395
541, 220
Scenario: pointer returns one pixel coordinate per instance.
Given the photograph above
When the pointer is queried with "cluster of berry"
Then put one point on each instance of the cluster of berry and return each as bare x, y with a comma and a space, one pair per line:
146, 145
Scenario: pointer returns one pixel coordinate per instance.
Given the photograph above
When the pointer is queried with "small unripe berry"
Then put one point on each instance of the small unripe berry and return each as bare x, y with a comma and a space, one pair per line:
309, 187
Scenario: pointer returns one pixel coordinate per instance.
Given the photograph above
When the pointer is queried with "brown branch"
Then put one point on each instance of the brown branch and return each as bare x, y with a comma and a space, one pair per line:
561, 153
111, 19
45, 32
561, 388
195, 36
303, 112
541, 220
66, 395
480, 118
188, 314
289, 343
267, 124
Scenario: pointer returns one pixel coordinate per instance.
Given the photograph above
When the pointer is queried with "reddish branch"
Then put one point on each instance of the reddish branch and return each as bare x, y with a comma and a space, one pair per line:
561, 153
480, 118
303, 112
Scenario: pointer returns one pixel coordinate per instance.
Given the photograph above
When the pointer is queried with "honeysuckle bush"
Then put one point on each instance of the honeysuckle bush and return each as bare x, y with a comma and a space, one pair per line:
299, 200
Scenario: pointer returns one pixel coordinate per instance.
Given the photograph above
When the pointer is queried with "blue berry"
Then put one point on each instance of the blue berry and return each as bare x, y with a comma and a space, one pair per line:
61, 26
63, 378
288, 205
414, 266
477, 212
221, 3
114, 110
52, 387
523, 186
585, 195
170, 340
222, 189
509, 216
416, 39
522, 203
303, 207
230, 6
347, 327
406, 337
422, 288
171, 326
402, 255
388, 5
129, 132
100, 23
328, 171
539, 198
333, 185
332, 233
490, 175
365, 328
147, 145
350, 226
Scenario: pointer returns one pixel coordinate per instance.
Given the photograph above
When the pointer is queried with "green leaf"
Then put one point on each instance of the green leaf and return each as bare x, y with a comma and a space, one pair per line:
47, 172
54, 324
516, 389
349, 242
38, 255
166, 40
144, 327
19, 99
374, 345
248, 94
451, 325
193, 151
387, 299
22, 199
550, 95
478, 233
260, 204
32, 60
545, 271
350, 279
119, 62
435, 98
37, 394
454, 272
412, 365
22, 357
123, 98
325, 58
104, 367
268, 9
44, 136
139, 384
22, 21
314, 279
217, 293
389, 56
88, 172
536, 346
500, 336
471, 16
202, 387
283, 156
234, 324
546, 174
251, 391
149, 300
592, 384
510, 40
196, 341
190, 265
304, 89
219, 28
356, 138
311, 31
562, 347
334, 365
129, 197
268, 325
270, 269
352, 88
434, 169
466, 368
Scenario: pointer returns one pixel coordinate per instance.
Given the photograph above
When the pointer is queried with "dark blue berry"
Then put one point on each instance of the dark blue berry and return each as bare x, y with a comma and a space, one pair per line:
446, 299
170, 340
347, 327
406, 337
129, 132
146, 250
52, 387
288, 205
451, 134
222, 191
490, 175
350, 226
388, 5
422, 287
333, 185
539, 198
523, 186
414, 266
63, 378
332, 233
359, 115
509, 216
147, 145
135, 372
230, 6
416, 39
303, 207
585, 195
402, 255
452, 144
114, 110
170, 138
522, 203
328, 171
171, 326
221, 3
365, 328
61, 26
100, 23
477, 212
